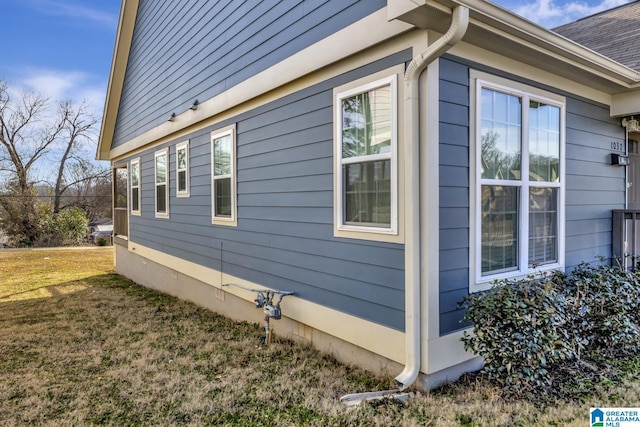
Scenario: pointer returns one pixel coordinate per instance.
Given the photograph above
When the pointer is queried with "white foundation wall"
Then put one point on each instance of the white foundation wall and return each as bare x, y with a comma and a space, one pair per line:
156, 276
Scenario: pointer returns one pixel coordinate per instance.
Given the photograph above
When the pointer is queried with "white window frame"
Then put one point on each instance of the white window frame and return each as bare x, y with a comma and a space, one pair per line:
137, 188
163, 152
480, 80
215, 218
392, 233
186, 192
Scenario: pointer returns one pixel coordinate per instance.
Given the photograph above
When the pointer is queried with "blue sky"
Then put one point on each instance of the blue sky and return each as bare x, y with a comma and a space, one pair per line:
60, 48
552, 13
63, 48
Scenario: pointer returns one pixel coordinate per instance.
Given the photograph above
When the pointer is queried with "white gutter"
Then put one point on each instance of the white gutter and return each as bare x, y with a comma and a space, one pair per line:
459, 25
496, 18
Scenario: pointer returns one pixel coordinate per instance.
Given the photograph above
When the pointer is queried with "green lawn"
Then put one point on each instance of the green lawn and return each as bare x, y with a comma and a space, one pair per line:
80, 345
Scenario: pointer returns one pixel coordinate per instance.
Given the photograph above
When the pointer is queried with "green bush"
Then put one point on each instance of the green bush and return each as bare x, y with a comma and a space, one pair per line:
519, 329
606, 308
102, 241
66, 228
530, 330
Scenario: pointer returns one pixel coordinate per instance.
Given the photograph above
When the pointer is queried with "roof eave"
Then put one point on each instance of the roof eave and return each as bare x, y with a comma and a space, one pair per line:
549, 42
124, 36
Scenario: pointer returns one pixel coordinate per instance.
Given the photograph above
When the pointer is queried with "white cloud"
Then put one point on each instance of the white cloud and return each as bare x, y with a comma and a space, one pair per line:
58, 85
552, 13
95, 96
53, 84
75, 11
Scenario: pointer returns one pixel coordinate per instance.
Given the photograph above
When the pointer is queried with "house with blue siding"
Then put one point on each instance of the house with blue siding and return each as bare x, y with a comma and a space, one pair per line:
378, 159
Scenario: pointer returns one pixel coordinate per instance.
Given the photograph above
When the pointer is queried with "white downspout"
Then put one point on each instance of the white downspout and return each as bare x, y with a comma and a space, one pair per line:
459, 25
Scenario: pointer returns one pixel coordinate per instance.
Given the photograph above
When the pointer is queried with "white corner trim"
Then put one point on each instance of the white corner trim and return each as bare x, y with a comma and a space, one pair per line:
445, 351
430, 201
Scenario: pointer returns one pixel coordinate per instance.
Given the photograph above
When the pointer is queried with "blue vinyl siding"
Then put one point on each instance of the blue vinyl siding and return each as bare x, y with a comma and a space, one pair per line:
593, 186
454, 192
183, 51
284, 238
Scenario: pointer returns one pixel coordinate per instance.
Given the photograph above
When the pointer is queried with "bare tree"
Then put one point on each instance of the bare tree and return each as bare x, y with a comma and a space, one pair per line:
25, 133
88, 188
25, 136
32, 132
73, 169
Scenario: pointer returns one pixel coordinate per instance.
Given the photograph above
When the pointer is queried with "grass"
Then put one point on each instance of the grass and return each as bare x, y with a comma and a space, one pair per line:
80, 345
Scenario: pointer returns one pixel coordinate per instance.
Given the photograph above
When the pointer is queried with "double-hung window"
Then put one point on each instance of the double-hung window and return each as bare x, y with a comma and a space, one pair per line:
366, 159
162, 183
223, 176
182, 169
519, 175
135, 186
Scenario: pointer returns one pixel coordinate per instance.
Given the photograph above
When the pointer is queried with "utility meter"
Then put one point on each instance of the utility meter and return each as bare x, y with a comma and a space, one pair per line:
273, 311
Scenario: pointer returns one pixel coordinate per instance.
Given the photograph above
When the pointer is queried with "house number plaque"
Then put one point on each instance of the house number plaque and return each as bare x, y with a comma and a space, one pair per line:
617, 145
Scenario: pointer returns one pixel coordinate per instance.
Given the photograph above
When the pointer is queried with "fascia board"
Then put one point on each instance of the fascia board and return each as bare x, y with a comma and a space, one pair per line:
124, 36
498, 20
625, 104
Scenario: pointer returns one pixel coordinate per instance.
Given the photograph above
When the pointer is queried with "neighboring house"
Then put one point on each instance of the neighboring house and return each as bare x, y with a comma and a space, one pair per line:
379, 158
101, 224
102, 227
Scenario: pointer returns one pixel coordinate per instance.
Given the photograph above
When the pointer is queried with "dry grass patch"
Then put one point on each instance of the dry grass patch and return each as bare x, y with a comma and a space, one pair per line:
114, 353
42, 273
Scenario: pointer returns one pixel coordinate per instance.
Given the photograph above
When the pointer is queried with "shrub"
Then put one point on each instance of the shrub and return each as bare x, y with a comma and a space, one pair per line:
519, 330
66, 228
102, 241
530, 330
605, 304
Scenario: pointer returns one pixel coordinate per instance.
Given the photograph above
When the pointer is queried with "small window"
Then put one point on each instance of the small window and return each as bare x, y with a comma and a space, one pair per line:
182, 169
223, 176
519, 176
366, 157
162, 183
135, 186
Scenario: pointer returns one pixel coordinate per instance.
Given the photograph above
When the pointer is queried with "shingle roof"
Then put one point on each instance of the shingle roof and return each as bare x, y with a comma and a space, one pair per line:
614, 33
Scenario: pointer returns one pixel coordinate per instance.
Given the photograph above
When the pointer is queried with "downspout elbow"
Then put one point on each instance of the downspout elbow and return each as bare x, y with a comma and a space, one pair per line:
458, 28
